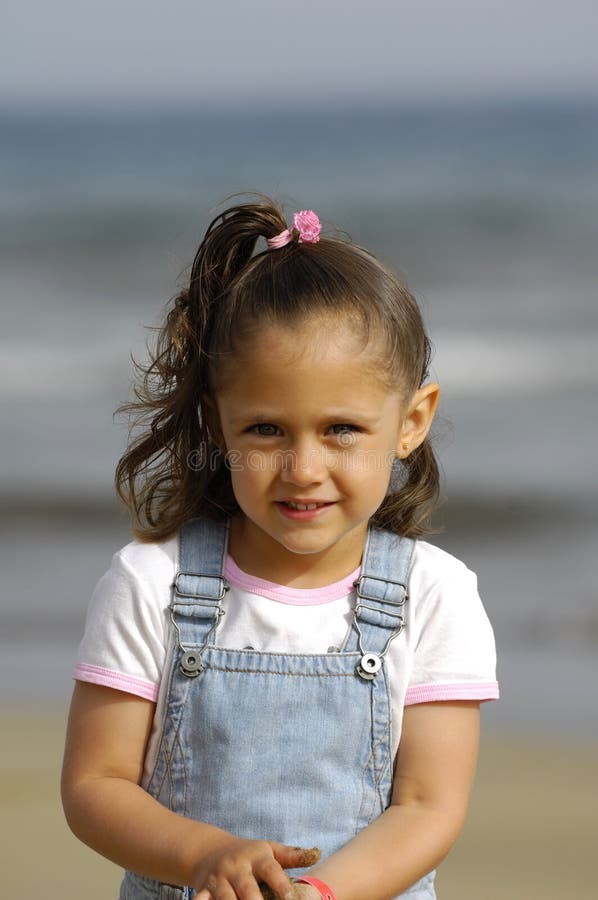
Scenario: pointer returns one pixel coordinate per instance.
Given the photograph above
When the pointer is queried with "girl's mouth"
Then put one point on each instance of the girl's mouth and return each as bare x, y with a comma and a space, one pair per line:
295, 510
296, 505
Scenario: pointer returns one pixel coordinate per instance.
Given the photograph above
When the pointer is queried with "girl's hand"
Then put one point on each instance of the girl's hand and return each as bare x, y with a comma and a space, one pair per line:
233, 871
305, 892
300, 892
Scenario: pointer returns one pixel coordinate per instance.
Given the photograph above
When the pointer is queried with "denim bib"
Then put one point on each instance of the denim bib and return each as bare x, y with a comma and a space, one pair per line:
275, 746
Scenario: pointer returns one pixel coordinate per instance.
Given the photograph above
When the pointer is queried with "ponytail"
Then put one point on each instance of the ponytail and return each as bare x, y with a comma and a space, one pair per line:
227, 247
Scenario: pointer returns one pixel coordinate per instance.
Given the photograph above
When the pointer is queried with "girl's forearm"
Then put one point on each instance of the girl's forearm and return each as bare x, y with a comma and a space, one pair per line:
392, 853
120, 820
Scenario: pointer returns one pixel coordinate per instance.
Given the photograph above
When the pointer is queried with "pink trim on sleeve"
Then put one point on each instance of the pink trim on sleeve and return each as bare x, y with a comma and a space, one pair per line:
469, 690
112, 679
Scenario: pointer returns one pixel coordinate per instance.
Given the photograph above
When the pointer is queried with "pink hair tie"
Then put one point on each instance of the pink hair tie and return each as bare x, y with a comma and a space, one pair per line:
305, 224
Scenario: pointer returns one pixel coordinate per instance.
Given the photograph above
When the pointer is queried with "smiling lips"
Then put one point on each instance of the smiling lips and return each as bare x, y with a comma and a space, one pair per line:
303, 505
303, 509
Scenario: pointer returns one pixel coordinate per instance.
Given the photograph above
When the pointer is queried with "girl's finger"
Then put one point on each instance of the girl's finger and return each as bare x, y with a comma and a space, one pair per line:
204, 894
271, 874
295, 857
246, 886
222, 891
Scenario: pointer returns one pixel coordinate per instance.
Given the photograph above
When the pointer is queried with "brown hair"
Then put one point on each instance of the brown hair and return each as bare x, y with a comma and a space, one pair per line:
173, 470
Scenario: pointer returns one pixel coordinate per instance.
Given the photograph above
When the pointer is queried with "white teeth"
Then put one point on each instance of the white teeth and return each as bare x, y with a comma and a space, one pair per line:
301, 505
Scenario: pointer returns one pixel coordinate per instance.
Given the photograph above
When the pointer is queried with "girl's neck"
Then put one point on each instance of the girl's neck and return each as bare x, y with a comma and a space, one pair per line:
259, 555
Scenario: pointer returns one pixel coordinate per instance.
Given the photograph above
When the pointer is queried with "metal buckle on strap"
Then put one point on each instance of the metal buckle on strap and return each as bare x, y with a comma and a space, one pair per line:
223, 585
191, 663
383, 612
360, 593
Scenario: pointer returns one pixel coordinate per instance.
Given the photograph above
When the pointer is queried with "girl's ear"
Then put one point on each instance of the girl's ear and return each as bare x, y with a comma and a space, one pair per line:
209, 412
418, 419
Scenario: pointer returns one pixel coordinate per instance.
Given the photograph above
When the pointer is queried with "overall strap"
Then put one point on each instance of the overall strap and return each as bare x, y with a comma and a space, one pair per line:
200, 586
382, 585
381, 591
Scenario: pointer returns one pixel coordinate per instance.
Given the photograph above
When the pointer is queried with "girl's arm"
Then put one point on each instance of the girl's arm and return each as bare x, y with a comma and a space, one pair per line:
108, 810
433, 777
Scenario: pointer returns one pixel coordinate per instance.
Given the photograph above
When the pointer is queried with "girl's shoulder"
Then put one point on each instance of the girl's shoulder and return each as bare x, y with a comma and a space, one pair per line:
437, 577
145, 561
138, 579
435, 563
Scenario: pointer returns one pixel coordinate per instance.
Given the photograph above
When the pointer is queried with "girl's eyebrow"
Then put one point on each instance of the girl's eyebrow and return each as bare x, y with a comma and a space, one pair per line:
339, 416
252, 416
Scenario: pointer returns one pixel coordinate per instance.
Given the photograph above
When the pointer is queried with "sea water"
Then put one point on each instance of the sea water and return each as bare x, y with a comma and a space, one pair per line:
490, 213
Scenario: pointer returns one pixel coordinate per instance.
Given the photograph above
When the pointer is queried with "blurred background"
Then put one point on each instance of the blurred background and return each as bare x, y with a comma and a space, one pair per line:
459, 142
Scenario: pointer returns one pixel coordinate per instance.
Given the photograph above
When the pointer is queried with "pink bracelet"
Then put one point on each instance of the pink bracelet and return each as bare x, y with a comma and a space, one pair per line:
320, 886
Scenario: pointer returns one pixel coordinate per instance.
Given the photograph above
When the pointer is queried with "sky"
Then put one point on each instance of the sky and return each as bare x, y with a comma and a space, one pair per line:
270, 51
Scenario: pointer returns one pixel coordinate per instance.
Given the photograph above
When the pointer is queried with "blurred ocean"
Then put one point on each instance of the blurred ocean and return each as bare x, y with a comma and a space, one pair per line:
489, 213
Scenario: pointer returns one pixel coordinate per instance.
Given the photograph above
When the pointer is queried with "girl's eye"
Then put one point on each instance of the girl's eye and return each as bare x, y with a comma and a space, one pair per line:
264, 429
344, 429
345, 435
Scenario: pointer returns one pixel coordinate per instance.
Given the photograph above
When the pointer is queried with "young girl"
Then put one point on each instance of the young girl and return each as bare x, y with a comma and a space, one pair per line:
276, 664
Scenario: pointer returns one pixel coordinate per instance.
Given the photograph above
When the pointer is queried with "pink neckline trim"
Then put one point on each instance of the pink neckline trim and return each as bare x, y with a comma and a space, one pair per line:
282, 593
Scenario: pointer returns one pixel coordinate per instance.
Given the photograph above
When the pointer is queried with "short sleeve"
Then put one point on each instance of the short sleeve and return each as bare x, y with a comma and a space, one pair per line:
454, 656
124, 642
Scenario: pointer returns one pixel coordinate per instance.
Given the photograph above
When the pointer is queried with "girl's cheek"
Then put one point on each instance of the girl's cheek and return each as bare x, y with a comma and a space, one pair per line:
251, 467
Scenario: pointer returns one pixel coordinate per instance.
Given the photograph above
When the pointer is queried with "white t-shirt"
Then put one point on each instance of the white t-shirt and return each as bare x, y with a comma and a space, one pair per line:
446, 651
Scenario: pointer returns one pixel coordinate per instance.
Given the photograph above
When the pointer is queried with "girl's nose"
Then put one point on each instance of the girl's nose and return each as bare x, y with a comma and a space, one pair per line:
303, 466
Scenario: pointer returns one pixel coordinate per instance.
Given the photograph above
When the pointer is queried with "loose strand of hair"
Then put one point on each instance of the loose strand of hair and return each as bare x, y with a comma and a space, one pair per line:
408, 511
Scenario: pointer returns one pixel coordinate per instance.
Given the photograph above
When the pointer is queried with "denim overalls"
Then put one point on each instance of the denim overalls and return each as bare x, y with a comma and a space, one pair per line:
285, 747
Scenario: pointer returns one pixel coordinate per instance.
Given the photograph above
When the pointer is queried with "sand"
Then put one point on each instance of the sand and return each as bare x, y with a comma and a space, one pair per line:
531, 833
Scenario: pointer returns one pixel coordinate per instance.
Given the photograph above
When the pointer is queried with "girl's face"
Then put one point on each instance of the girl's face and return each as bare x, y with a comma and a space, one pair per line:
311, 432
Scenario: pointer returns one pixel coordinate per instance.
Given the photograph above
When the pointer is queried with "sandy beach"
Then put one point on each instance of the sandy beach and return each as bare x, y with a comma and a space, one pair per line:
531, 831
